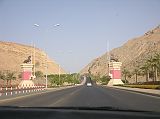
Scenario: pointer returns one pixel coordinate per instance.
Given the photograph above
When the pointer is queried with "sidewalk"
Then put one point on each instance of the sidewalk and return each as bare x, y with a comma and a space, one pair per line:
152, 92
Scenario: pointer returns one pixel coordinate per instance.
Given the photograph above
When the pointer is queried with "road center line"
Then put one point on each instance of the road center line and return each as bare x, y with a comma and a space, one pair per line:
65, 98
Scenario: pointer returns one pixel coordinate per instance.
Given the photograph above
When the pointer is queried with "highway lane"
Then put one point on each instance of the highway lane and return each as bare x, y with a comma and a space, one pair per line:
95, 96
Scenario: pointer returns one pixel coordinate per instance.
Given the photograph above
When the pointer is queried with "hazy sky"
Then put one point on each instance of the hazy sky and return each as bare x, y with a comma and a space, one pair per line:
85, 26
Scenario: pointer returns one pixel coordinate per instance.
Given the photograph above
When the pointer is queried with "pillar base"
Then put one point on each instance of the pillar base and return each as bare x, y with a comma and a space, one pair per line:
115, 82
26, 83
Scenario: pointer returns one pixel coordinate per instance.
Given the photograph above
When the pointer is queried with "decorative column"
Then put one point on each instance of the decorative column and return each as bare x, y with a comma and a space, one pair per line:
115, 73
26, 75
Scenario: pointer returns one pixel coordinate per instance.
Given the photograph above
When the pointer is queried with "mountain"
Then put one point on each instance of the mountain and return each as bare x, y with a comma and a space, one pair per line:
133, 53
13, 54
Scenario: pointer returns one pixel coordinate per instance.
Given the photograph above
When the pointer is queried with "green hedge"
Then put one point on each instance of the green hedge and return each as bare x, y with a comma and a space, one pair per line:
56, 80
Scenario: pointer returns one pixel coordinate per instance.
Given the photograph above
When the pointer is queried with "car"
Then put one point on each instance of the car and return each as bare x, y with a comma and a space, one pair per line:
89, 84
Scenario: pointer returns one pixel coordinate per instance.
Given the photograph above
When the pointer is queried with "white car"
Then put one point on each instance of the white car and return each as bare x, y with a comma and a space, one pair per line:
89, 84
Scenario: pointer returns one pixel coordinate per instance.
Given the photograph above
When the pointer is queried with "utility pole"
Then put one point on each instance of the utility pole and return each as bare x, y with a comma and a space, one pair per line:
46, 71
34, 60
59, 71
108, 58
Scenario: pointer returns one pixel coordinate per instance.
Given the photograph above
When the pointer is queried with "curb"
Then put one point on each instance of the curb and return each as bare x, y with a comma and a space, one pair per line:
38, 93
152, 94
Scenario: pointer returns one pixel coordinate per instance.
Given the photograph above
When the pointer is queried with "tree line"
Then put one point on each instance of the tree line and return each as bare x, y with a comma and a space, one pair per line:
7, 77
150, 69
103, 80
64, 79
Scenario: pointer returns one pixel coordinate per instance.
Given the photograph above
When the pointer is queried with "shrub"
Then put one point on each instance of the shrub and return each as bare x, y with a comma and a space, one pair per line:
39, 74
104, 80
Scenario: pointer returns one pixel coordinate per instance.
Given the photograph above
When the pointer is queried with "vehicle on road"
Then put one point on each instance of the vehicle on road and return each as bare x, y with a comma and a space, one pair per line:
89, 84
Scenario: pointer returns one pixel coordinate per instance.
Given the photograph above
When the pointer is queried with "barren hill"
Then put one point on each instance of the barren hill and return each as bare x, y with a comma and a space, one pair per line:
13, 54
132, 53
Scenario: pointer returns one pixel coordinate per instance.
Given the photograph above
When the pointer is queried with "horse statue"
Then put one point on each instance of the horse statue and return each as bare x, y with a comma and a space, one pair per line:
113, 58
27, 60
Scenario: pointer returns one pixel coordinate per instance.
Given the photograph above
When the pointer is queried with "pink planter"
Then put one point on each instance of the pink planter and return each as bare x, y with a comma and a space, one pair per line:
116, 74
26, 75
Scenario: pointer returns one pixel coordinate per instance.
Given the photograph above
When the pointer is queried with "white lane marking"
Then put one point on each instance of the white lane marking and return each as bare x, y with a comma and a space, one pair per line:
65, 98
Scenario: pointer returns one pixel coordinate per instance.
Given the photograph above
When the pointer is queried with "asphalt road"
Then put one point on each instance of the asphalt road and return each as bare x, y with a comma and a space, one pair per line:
95, 96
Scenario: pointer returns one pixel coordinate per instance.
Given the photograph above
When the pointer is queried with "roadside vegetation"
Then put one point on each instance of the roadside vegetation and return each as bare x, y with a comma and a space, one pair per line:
150, 70
54, 80
63, 79
39, 74
7, 77
103, 80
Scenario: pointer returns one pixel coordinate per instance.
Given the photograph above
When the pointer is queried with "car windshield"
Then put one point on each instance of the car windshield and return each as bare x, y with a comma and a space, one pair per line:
102, 54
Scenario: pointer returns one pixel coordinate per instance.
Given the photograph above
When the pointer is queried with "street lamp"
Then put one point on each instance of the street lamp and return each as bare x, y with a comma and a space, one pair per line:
59, 68
46, 66
37, 25
46, 72
59, 71
57, 25
34, 54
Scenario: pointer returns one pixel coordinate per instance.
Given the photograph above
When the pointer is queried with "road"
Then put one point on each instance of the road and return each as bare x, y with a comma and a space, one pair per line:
89, 96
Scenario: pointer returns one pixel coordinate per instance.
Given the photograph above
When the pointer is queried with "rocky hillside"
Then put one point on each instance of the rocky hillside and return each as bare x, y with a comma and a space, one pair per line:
13, 54
131, 54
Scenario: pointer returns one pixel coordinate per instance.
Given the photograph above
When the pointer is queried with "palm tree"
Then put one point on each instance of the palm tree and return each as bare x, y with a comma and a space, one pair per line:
126, 74
136, 72
145, 70
2, 76
152, 64
10, 77
156, 61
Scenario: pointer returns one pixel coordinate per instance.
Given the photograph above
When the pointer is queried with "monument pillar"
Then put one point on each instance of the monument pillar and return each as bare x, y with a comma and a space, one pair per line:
26, 75
115, 73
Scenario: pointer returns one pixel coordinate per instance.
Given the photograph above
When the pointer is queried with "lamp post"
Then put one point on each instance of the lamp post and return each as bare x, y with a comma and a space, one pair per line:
46, 66
34, 70
59, 75
59, 68
46, 72
34, 55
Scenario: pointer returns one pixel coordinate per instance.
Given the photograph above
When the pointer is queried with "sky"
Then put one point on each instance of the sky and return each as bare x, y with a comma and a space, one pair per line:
85, 26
